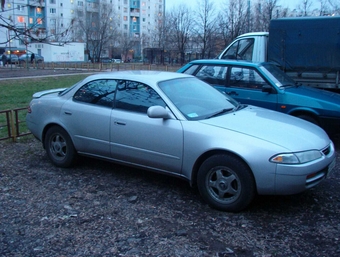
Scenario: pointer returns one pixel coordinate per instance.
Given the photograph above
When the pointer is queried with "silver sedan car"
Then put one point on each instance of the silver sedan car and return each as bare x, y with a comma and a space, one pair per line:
178, 125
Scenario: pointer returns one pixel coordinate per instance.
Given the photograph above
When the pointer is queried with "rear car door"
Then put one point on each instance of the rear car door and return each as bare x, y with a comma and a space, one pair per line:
87, 117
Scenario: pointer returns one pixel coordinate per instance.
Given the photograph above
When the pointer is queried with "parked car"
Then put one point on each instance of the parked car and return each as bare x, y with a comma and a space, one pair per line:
265, 85
179, 125
27, 57
10, 58
106, 60
117, 60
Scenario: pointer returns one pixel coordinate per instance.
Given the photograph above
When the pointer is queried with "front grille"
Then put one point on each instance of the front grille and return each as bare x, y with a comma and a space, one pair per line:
327, 150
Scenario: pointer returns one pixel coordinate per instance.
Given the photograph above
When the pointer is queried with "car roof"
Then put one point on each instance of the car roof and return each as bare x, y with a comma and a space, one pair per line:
225, 62
143, 76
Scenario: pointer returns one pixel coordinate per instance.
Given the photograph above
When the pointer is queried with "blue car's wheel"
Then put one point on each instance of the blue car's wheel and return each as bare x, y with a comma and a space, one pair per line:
59, 147
226, 183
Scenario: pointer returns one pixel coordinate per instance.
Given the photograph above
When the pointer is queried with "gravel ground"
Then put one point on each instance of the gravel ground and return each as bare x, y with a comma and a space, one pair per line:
102, 209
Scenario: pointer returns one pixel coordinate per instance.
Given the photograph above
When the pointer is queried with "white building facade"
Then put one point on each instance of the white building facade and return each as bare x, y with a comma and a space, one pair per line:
58, 22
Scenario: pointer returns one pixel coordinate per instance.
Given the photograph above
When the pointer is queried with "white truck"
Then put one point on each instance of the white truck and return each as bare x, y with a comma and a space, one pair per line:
307, 49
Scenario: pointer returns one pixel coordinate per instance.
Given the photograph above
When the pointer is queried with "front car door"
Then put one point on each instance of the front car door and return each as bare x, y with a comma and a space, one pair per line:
138, 139
246, 85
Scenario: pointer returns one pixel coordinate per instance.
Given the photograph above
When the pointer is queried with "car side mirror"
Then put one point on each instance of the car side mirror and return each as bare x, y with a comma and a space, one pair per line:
267, 89
158, 111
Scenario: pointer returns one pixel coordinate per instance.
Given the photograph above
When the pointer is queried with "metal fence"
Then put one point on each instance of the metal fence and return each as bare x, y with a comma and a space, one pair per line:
12, 124
97, 66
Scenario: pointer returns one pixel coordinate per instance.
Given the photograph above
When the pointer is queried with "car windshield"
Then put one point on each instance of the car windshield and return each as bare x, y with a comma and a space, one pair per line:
197, 100
280, 78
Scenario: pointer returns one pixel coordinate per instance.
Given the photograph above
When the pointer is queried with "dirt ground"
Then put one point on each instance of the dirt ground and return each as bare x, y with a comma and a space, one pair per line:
102, 209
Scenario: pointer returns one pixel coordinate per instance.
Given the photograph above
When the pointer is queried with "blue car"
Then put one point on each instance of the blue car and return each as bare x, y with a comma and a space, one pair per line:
265, 85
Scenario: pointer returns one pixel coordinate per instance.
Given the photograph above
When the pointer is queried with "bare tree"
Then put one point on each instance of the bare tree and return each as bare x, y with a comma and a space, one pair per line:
305, 7
205, 27
97, 29
334, 7
264, 12
126, 44
180, 24
233, 21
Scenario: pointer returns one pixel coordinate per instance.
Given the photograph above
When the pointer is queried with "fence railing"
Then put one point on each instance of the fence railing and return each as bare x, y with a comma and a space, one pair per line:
13, 124
97, 66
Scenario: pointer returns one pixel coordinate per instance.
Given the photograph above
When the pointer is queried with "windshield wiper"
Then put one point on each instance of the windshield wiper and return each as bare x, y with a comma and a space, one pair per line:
240, 106
220, 112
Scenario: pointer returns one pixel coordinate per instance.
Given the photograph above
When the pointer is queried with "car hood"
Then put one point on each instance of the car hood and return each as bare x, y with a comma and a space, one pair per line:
281, 129
316, 94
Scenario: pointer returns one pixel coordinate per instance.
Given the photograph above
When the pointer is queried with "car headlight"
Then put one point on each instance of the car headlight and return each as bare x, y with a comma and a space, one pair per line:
296, 158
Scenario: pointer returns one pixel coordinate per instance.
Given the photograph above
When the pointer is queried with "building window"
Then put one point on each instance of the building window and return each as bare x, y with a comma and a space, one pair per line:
125, 18
53, 10
30, 20
38, 10
21, 19
52, 1
61, 4
21, 7
125, 26
80, 3
39, 21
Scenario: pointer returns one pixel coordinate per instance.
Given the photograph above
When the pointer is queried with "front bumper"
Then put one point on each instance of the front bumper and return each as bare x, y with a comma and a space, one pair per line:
293, 179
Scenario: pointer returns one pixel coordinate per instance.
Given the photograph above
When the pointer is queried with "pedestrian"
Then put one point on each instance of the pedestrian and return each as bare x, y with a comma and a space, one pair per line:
4, 59
32, 57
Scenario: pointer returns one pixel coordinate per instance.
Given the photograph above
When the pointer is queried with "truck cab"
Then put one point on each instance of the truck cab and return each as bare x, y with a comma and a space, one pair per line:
248, 47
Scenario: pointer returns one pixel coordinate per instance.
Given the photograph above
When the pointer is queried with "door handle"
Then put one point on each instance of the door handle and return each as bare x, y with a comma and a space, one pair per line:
68, 113
120, 123
232, 93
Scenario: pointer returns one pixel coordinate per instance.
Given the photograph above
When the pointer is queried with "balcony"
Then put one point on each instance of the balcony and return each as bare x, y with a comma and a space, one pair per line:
40, 3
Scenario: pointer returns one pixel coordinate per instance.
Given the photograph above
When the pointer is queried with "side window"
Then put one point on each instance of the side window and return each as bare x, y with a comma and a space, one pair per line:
191, 69
241, 50
246, 78
135, 96
213, 75
99, 92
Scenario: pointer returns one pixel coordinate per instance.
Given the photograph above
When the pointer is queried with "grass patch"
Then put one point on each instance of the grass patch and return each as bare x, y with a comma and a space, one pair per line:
18, 94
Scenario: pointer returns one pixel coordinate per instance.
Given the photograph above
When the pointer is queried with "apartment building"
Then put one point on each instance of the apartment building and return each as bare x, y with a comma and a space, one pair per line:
89, 21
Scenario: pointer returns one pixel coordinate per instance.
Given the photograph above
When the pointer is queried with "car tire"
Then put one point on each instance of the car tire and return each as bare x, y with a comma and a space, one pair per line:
226, 183
309, 118
59, 147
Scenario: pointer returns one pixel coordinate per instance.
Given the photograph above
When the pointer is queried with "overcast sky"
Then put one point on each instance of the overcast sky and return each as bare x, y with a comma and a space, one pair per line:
292, 4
